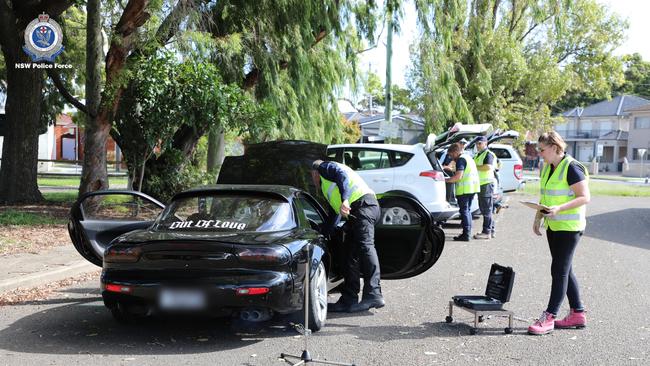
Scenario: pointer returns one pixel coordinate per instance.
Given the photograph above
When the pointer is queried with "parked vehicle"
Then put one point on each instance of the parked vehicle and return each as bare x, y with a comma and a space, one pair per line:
237, 249
511, 169
400, 169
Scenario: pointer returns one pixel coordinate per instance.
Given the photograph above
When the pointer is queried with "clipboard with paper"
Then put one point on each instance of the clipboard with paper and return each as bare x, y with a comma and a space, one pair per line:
535, 205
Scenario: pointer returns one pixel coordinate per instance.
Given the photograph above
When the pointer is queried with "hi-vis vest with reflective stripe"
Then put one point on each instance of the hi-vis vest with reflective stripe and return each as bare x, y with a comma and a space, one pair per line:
469, 183
555, 191
485, 176
357, 185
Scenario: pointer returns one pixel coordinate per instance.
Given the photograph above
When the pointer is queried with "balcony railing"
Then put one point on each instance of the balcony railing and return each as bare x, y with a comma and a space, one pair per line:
582, 134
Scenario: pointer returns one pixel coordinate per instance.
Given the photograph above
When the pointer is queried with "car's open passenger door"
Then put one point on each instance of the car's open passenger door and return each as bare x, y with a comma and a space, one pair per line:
407, 241
97, 218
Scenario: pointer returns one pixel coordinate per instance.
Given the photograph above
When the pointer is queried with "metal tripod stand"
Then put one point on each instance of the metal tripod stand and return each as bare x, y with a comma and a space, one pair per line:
305, 357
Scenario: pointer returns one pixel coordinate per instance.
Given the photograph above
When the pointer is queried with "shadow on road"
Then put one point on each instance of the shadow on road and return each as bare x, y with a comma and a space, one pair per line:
427, 330
82, 325
627, 227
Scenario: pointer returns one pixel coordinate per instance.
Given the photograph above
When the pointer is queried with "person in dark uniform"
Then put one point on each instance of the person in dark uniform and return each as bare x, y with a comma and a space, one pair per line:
485, 162
467, 185
450, 169
351, 197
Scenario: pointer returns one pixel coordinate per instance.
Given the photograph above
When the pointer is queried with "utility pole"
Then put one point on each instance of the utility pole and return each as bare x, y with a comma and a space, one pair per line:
388, 112
369, 93
386, 127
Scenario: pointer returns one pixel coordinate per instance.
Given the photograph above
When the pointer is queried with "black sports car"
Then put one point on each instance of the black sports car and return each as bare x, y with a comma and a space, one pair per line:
235, 249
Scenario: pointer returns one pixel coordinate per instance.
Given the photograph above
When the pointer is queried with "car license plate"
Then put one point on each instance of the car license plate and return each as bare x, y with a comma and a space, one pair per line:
182, 299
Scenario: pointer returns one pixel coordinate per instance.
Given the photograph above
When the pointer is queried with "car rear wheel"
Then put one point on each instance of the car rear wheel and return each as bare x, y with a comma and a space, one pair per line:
317, 300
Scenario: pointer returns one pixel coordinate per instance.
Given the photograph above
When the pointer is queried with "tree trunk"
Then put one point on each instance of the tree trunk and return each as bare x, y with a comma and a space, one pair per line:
18, 173
216, 150
23, 115
94, 175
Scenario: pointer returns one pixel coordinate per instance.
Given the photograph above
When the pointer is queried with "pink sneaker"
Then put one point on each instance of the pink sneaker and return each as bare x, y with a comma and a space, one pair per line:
543, 325
573, 320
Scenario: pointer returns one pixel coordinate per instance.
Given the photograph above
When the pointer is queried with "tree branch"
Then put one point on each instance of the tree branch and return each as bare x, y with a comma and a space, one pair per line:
56, 78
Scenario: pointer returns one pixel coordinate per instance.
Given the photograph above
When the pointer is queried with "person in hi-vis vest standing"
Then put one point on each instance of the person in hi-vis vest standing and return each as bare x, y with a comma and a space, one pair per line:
467, 185
351, 197
485, 162
564, 189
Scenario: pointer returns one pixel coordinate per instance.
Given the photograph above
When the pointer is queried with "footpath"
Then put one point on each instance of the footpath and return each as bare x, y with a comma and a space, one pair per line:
26, 270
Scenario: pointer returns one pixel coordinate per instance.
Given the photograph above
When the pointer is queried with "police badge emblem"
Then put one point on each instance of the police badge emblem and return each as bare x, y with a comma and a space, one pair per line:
43, 39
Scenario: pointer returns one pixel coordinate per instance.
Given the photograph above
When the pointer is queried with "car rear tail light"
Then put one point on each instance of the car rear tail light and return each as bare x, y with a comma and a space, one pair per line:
118, 288
248, 291
519, 171
272, 256
122, 254
436, 175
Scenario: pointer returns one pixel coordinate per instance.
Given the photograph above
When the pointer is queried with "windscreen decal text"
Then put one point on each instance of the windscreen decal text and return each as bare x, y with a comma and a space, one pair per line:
207, 224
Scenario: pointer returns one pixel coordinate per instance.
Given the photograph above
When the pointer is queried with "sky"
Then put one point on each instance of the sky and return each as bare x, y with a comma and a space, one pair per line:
635, 11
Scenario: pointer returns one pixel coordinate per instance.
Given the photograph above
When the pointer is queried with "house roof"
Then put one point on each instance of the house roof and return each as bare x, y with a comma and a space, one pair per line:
617, 106
615, 135
642, 108
411, 118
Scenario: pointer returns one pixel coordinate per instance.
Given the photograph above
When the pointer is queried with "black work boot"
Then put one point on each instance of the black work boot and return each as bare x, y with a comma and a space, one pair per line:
341, 306
367, 304
462, 237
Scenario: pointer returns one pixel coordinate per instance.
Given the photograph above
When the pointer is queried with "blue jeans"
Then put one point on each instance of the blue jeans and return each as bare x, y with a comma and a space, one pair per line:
464, 203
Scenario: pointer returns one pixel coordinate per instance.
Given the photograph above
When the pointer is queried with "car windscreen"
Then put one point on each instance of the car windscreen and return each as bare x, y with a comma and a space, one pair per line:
227, 212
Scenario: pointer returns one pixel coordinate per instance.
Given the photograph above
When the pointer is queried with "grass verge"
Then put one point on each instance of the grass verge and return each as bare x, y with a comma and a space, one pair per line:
14, 217
74, 181
601, 189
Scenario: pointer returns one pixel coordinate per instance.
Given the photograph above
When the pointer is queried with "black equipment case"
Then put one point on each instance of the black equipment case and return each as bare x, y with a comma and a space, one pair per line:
497, 292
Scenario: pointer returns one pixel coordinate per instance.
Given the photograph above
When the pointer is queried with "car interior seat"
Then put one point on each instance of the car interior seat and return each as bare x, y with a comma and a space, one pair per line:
356, 163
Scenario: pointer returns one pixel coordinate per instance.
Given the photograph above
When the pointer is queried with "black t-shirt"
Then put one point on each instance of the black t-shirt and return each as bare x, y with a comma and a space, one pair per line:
461, 163
575, 173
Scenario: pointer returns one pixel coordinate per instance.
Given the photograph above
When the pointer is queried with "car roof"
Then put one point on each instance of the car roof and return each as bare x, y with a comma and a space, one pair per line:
285, 191
395, 147
502, 146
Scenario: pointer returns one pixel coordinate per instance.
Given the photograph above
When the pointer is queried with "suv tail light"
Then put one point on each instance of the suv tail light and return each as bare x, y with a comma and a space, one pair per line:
519, 171
436, 175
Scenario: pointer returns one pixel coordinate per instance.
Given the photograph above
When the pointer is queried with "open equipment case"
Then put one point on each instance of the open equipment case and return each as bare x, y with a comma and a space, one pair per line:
497, 293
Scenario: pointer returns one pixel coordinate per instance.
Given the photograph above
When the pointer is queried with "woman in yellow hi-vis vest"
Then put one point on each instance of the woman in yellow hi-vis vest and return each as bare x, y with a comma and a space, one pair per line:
564, 189
351, 197
467, 186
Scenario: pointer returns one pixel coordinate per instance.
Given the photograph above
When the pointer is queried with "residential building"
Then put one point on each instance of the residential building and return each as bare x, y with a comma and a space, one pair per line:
410, 126
638, 142
601, 130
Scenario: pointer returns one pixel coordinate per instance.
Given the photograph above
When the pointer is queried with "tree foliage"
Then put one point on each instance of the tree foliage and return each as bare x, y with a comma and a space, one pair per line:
507, 62
166, 96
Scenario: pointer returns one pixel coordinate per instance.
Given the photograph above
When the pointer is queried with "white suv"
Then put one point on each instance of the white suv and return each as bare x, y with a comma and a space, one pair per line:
511, 169
398, 168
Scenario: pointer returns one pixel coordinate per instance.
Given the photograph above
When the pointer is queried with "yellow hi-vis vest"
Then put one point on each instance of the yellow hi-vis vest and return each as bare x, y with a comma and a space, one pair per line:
555, 191
469, 183
485, 176
357, 185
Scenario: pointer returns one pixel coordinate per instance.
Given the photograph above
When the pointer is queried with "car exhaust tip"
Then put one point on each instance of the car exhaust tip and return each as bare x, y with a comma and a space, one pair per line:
255, 315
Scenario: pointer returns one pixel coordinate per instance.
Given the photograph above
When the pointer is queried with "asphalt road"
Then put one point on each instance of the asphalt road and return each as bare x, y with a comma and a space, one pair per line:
612, 264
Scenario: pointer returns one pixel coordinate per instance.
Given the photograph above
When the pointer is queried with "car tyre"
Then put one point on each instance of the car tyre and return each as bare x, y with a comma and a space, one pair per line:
317, 300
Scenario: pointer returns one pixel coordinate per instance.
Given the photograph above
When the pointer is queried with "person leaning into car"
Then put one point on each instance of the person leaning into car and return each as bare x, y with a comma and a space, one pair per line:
351, 197
485, 161
467, 185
